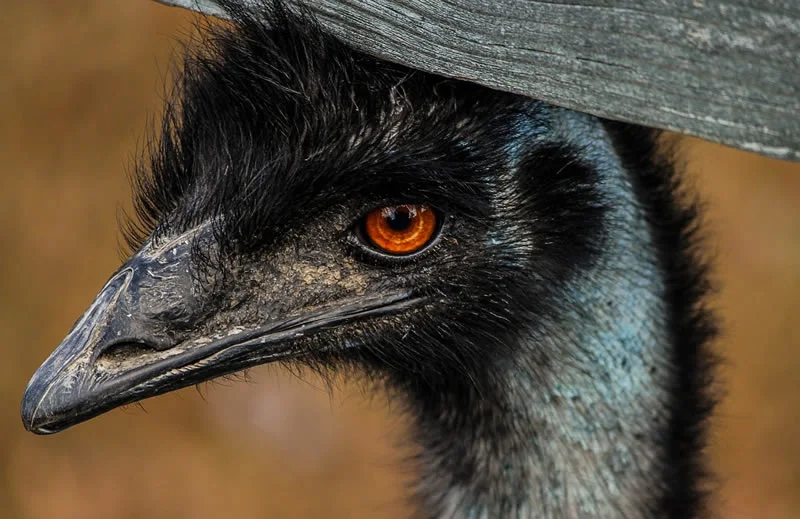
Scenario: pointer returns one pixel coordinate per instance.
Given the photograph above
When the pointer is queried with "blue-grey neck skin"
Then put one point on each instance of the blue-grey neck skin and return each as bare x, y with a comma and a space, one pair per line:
583, 424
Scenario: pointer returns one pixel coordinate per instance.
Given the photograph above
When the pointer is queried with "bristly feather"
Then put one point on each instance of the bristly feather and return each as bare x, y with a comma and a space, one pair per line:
584, 275
271, 95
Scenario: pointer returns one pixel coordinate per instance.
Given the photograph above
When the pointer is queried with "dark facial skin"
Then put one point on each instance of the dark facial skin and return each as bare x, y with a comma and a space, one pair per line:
154, 327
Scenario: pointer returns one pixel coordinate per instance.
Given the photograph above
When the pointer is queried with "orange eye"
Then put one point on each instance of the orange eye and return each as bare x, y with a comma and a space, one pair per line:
401, 229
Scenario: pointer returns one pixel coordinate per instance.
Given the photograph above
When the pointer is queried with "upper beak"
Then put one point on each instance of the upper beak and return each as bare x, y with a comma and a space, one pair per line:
129, 334
139, 339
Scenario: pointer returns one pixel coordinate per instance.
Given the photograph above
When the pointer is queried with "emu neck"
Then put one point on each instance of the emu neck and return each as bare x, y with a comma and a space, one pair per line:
581, 437
582, 422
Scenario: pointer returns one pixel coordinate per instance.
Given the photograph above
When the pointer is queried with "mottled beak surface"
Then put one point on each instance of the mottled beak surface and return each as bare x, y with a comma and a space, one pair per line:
129, 335
150, 331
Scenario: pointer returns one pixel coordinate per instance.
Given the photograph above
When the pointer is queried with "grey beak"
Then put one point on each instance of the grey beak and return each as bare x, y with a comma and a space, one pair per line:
141, 337
134, 322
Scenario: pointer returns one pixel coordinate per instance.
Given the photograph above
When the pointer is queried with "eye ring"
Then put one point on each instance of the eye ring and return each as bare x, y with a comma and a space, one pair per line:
400, 230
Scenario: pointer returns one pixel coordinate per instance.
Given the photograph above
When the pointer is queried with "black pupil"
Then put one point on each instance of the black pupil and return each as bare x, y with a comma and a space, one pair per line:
399, 219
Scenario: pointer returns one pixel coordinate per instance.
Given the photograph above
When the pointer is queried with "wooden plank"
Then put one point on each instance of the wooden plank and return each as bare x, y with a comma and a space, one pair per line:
724, 70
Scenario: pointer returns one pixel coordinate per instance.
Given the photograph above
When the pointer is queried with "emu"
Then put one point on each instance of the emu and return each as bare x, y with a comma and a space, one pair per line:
524, 276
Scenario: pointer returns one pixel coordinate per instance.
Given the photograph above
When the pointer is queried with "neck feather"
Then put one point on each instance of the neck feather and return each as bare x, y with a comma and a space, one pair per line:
600, 412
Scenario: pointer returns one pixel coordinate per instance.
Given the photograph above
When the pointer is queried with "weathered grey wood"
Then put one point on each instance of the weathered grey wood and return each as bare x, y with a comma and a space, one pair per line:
724, 70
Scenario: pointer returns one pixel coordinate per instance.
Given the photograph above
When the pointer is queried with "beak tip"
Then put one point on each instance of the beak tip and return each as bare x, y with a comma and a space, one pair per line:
34, 408
29, 420
35, 422
29, 411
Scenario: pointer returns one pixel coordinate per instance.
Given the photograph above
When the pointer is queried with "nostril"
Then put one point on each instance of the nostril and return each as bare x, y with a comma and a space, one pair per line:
120, 351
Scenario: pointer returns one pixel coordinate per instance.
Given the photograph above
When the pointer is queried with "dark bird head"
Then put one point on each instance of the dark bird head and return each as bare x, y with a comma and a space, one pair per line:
521, 273
306, 202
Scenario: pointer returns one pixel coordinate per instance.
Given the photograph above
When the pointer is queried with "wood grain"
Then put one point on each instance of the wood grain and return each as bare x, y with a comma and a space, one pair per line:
724, 70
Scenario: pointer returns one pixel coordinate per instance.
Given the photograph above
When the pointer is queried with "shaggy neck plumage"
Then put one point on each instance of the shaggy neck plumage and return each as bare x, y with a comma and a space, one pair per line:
600, 412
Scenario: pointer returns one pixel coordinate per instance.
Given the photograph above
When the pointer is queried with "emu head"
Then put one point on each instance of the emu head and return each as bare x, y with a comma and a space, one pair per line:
308, 203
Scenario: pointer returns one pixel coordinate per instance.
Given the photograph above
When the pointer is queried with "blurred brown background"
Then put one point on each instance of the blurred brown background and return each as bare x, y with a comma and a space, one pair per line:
78, 81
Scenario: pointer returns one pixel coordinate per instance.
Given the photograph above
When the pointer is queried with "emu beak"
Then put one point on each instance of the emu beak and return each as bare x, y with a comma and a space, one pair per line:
141, 337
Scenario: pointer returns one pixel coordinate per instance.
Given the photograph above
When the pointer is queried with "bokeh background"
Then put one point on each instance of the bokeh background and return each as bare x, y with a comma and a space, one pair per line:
78, 81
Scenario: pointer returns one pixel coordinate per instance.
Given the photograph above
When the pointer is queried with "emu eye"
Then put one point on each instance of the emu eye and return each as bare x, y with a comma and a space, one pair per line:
401, 229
